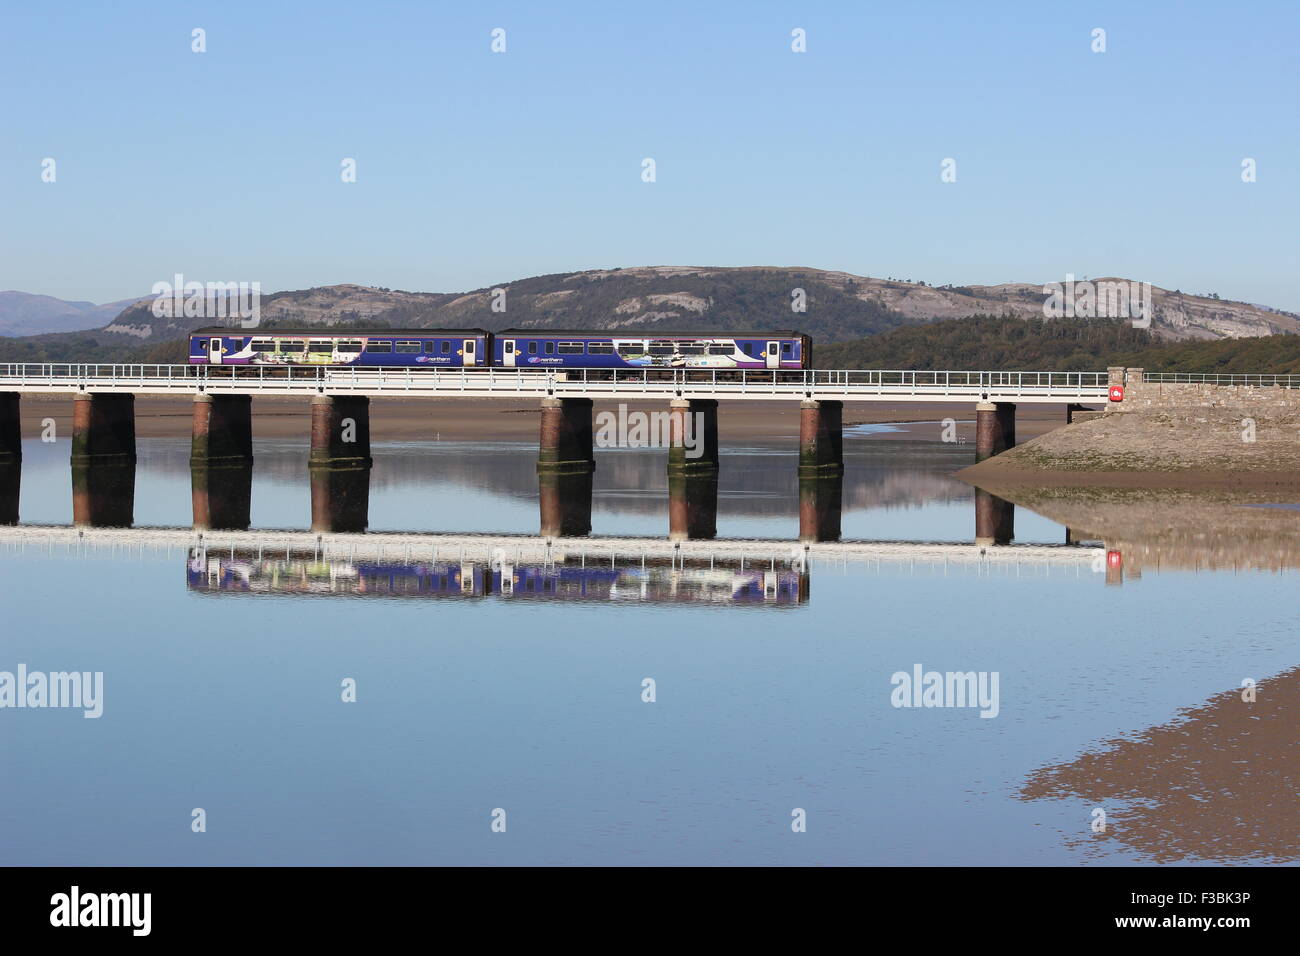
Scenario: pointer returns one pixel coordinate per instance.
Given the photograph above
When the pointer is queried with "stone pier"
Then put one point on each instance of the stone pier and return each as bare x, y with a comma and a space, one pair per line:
564, 447
995, 519
821, 503
340, 432
103, 428
692, 507
995, 428
693, 433
821, 439
11, 439
223, 431
565, 504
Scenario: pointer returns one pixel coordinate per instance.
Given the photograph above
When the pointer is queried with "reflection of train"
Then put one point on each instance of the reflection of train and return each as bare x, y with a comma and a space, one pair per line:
657, 580
512, 348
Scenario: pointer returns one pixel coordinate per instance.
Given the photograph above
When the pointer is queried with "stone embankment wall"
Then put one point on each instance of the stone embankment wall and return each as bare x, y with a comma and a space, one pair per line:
1262, 401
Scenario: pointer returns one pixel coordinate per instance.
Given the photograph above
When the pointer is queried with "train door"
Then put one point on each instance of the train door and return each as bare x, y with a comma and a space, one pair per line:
773, 354
468, 355
508, 352
214, 350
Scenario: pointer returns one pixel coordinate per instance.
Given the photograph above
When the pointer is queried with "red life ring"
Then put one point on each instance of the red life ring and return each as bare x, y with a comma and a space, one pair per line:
1117, 393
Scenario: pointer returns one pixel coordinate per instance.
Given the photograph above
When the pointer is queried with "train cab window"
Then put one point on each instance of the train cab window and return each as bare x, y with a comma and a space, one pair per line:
287, 345
571, 348
263, 345
785, 349
348, 345
532, 348
446, 346
382, 346
722, 349
550, 348
321, 348
600, 348
407, 346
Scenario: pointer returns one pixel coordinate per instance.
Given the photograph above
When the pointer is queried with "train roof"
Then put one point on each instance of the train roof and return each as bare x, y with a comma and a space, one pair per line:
273, 330
652, 333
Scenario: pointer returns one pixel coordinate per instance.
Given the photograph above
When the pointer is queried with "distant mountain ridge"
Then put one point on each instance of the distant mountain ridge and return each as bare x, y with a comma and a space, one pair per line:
22, 313
839, 306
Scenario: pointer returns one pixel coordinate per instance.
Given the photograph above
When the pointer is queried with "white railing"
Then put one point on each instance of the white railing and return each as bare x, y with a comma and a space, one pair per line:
824, 383
1217, 378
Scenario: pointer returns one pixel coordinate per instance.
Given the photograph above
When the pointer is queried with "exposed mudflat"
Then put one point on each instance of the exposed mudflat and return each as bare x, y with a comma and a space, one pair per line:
1192, 447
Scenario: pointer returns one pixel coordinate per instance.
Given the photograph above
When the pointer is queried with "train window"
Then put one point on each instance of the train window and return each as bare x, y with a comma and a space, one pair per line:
532, 348
202, 344
287, 345
771, 348
600, 348
408, 346
550, 348
571, 348
632, 348
446, 347
722, 349
321, 348
373, 346
263, 345
429, 347
785, 348
690, 348
661, 348
349, 345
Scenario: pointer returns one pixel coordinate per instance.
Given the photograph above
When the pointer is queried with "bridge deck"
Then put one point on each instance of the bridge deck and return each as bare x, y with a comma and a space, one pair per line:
818, 384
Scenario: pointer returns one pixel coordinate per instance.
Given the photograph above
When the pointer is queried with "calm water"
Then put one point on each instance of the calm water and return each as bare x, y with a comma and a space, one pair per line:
222, 689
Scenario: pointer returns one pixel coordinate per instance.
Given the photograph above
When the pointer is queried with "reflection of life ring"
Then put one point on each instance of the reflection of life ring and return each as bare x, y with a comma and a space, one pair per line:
1117, 393
1114, 559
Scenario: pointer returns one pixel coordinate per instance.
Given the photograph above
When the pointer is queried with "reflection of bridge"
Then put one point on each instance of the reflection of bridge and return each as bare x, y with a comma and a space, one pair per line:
411, 548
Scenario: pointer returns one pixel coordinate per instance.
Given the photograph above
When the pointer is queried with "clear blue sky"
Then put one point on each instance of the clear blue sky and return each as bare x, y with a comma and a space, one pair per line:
476, 168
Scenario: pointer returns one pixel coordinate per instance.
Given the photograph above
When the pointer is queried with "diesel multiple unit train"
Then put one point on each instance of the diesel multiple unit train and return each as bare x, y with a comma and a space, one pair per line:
511, 348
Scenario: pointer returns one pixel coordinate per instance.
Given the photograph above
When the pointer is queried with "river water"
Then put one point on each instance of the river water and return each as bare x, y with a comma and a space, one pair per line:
514, 728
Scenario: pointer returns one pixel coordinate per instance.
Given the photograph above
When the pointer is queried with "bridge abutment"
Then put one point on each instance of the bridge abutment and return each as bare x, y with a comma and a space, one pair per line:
821, 439
995, 428
340, 432
223, 430
693, 434
11, 436
103, 428
564, 445
692, 507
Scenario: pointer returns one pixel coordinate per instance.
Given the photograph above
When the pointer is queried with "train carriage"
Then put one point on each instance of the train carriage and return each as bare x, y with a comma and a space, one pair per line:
362, 348
535, 348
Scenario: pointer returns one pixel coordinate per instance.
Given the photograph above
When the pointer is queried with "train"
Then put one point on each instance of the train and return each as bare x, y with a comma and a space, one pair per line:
509, 348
